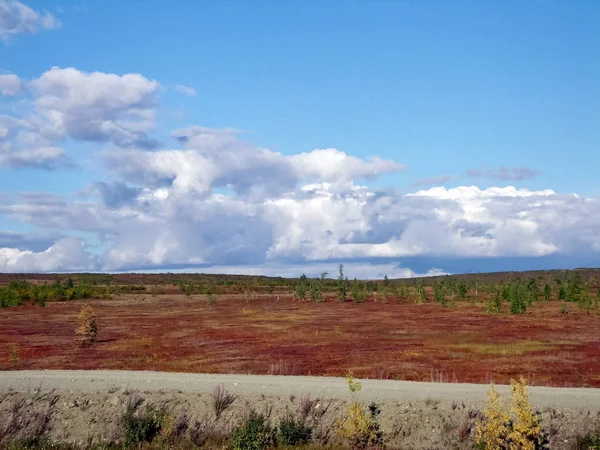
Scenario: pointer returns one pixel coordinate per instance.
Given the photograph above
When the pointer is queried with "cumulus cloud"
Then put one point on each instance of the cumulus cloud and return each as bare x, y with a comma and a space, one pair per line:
68, 104
97, 106
10, 84
334, 165
21, 146
217, 158
35, 242
151, 227
218, 201
45, 157
16, 17
363, 271
67, 254
503, 173
185, 90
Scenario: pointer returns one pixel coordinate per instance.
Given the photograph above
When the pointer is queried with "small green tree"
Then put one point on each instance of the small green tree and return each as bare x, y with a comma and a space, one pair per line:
301, 286
210, 298
534, 291
315, 288
358, 292
384, 294
439, 295
518, 303
402, 290
342, 288
547, 292
495, 305
422, 293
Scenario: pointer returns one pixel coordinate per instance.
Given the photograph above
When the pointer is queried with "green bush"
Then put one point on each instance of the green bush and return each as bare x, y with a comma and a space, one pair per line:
141, 428
294, 432
591, 442
254, 434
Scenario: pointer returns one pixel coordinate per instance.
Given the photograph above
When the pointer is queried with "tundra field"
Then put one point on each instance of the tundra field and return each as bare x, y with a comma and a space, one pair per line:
480, 328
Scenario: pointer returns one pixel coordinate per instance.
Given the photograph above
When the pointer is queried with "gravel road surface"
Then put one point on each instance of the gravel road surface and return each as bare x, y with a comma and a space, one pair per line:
325, 387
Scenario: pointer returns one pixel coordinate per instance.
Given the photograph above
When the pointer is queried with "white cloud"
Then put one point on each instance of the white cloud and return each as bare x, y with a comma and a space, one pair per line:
46, 157
67, 254
149, 228
65, 104
219, 201
185, 90
216, 158
97, 106
10, 84
333, 165
365, 271
16, 17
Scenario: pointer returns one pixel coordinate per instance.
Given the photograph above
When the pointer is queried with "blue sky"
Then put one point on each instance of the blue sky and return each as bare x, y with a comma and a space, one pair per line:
485, 94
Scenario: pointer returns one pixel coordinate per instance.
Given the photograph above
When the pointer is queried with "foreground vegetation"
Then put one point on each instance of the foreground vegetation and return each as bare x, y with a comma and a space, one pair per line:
146, 426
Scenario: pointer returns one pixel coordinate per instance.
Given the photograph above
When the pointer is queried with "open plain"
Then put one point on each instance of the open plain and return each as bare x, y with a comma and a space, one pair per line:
553, 343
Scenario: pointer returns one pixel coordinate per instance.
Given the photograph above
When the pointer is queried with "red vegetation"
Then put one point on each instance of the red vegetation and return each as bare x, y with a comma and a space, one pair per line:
395, 340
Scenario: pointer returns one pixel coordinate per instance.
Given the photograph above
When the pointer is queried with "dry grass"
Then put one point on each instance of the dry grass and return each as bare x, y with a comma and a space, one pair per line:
509, 349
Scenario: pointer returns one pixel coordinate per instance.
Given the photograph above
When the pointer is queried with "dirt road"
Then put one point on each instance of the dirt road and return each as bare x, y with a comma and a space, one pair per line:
285, 386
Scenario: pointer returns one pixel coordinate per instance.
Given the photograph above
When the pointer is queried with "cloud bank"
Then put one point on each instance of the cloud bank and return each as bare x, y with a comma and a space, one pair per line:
209, 200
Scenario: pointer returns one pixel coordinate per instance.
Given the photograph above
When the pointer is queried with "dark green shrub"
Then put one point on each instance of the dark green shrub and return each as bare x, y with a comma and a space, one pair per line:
359, 293
294, 432
142, 427
254, 434
590, 442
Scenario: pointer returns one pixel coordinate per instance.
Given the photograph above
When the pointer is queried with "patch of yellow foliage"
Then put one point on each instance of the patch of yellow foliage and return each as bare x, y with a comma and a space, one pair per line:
493, 430
526, 429
87, 328
499, 431
356, 426
359, 428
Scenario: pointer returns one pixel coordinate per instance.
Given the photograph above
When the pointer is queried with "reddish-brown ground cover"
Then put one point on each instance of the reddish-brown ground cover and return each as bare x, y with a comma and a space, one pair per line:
395, 340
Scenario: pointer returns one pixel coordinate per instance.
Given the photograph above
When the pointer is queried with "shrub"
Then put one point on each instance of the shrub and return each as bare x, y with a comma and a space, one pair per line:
221, 400
590, 442
358, 428
342, 288
254, 434
210, 299
294, 432
547, 292
358, 292
315, 288
498, 431
87, 328
491, 433
301, 287
361, 430
439, 294
307, 405
141, 428
526, 433
495, 305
